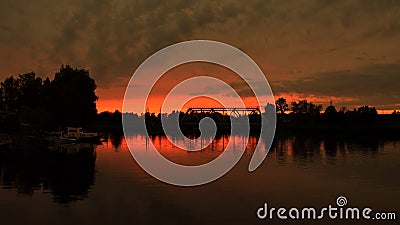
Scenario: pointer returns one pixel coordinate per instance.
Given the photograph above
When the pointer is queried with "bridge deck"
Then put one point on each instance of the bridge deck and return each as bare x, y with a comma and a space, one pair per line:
235, 111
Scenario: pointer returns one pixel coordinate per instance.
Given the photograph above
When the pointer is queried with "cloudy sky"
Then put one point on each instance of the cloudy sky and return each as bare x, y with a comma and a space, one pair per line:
345, 51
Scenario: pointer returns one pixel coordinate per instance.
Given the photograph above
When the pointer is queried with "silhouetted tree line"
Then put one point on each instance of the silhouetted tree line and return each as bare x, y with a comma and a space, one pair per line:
189, 123
67, 100
307, 116
293, 117
310, 113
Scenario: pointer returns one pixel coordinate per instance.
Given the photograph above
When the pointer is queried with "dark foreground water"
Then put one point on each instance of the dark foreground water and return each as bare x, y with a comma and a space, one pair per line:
102, 184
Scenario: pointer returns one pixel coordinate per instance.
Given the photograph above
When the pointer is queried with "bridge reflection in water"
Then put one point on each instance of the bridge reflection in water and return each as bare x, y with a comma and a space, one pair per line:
210, 148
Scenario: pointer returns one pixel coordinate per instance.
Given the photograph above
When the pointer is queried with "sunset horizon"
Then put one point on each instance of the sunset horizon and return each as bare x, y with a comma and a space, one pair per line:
155, 103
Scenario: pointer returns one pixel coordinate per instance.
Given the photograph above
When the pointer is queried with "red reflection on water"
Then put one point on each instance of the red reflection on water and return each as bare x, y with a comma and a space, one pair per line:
209, 152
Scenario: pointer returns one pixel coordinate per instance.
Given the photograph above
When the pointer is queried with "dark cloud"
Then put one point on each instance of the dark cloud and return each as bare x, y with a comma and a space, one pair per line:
374, 84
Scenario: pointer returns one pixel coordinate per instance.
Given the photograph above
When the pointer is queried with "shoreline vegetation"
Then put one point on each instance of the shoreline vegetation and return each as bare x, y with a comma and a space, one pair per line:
29, 104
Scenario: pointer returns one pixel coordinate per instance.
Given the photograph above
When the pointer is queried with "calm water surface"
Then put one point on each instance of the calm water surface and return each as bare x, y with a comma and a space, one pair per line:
102, 184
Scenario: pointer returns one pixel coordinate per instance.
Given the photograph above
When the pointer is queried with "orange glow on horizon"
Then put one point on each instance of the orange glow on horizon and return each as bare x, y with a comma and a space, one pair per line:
324, 100
183, 72
202, 102
109, 105
155, 103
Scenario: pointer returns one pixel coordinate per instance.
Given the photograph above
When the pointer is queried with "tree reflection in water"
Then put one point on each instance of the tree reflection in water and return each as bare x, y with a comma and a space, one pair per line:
308, 148
67, 171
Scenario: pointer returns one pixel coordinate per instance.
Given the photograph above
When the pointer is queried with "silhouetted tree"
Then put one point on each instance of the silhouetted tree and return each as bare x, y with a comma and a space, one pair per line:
281, 105
10, 91
30, 88
331, 114
46, 92
366, 110
116, 117
366, 114
72, 96
330, 110
304, 107
1, 98
270, 108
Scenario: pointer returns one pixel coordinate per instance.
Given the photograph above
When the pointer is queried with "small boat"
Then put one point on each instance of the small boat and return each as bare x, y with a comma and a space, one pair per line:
74, 134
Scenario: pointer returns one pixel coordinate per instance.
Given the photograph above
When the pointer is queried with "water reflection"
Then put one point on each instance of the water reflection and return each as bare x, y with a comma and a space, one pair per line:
308, 148
102, 184
116, 140
299, 170
66, 171
301, 148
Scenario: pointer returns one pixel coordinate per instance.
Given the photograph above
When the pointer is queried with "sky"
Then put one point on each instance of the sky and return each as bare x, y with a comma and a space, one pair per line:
347, 52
